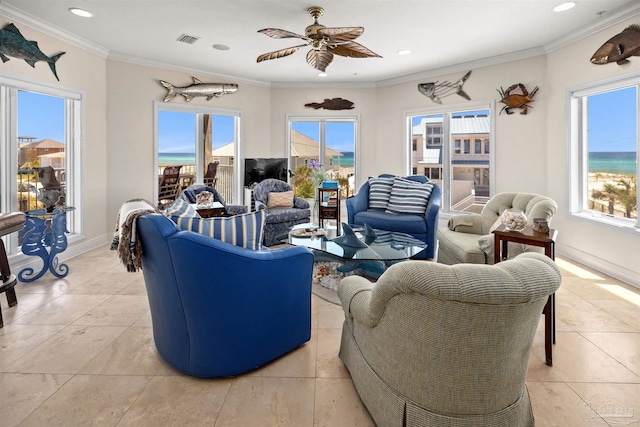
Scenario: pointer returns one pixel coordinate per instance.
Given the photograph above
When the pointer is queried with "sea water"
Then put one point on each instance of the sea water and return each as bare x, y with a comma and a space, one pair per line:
345, 161
176, 158
620, 162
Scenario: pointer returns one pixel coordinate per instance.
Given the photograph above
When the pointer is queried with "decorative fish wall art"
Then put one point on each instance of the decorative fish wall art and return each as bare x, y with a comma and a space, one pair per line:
13, 43
198, 88
619, 47
436, 90
332, 104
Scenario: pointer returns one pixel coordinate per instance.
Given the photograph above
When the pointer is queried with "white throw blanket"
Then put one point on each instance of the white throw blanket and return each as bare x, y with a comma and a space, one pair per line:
124, 238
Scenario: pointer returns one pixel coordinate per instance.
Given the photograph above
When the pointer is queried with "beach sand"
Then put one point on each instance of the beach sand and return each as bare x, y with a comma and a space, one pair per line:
596, 181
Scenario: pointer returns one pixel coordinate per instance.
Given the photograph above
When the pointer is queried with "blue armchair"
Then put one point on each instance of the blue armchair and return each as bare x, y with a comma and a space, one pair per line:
217, 309
422, 227
279, 220
189, 194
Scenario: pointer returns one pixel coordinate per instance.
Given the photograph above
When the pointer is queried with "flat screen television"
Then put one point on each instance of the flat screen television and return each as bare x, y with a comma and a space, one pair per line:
259, 169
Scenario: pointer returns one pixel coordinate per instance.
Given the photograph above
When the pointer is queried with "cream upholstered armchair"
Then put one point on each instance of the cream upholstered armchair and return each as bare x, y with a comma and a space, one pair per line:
438, 345
468, 238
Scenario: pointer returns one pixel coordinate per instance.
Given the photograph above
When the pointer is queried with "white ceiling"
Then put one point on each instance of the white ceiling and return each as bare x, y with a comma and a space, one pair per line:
440, 33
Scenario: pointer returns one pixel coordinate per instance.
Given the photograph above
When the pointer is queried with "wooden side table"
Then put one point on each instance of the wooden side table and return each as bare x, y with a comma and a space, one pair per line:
529, 236
329, 206
215, 210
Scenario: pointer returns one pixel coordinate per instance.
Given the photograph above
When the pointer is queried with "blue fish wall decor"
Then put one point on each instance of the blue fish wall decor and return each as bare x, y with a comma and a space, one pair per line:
13, 43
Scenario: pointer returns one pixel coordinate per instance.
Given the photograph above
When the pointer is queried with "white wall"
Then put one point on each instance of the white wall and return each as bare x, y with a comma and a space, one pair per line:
133, 89
610, 250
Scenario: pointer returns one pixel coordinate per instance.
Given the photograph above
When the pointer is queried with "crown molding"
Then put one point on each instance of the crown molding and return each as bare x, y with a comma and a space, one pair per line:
605, 21
132, 59
37, 24
465, 66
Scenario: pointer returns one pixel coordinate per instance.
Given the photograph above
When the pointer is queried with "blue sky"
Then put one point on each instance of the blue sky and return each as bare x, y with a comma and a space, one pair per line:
339, 135
612, 124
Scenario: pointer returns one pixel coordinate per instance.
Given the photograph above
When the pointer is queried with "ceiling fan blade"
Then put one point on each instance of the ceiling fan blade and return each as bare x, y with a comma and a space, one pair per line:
319, 59
352, 50
279, 53
277, 33
341, 34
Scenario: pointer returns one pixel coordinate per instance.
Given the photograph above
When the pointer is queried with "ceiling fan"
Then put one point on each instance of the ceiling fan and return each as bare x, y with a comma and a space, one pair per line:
324, 42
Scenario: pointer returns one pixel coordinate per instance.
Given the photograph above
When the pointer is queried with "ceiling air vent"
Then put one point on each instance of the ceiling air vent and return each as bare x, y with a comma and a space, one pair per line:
185, 38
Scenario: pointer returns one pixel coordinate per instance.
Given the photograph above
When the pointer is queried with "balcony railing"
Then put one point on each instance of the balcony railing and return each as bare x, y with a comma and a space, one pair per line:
224, 174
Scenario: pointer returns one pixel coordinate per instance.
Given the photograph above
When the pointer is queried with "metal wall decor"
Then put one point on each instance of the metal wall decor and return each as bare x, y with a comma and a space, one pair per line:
516, 100
13, 43
436, 90
331, 104
198, 88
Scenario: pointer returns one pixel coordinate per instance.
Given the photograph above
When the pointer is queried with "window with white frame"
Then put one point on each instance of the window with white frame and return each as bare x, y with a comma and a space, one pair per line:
41, 130
604, 145
458, 156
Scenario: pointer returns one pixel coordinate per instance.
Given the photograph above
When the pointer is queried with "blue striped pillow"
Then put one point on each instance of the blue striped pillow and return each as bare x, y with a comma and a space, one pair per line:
409, 197
243, 230
180, 208
379, 192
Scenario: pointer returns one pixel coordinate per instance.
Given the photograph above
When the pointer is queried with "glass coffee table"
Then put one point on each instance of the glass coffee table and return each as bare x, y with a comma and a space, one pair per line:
365, 252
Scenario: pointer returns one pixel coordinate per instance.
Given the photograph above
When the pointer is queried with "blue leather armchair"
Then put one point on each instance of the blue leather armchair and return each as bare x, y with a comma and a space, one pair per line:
423, 228
218, 309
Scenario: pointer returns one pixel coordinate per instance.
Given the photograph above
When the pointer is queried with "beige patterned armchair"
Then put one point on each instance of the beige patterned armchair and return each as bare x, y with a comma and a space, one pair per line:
446, 346
468, 238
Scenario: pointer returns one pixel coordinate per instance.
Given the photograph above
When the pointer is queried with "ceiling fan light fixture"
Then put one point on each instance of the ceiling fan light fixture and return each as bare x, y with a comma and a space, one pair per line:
404, 52
220, 46
322, 74
564, 6
80, 12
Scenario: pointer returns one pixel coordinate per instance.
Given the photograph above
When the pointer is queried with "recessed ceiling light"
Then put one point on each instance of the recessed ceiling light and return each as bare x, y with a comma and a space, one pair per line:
322, 74
80, 12
564, 6
219, 46
404, 52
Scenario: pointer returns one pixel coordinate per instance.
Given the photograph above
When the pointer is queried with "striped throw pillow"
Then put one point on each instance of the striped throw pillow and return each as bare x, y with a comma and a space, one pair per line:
379, 192
243, 230
409, 197
180, 208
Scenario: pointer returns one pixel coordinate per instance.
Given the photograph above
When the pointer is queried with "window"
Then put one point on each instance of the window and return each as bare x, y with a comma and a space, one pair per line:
464, 176
194, 137
604, 147
414, 171
42, 130
331, 141
415, 145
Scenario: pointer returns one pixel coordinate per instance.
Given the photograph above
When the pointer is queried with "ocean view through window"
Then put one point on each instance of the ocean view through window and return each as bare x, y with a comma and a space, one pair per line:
194, 139
604, 146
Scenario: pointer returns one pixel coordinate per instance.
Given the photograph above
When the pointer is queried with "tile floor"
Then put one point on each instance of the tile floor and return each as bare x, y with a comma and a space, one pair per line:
80, 352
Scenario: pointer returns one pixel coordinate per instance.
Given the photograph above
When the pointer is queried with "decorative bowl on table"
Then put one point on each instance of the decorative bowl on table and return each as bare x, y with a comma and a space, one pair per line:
204, 199
513, 220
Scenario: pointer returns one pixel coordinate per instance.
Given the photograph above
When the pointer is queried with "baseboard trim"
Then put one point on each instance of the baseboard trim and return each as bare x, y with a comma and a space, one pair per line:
606, 267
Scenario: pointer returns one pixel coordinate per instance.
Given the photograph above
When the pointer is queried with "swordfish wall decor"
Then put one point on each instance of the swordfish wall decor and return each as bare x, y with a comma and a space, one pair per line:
13, 43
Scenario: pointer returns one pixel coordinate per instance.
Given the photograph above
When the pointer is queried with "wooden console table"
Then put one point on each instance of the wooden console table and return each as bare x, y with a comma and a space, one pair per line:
529, 236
